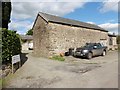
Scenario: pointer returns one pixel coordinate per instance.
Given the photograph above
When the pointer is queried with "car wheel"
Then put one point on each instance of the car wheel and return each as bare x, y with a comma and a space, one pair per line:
104, 53
89, 56
67, 54
74, 55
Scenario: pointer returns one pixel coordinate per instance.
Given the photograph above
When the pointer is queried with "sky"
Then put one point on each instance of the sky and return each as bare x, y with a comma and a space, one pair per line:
103, 13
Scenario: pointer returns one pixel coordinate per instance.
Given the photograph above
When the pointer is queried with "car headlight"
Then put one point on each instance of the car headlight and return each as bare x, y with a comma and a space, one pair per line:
85, 51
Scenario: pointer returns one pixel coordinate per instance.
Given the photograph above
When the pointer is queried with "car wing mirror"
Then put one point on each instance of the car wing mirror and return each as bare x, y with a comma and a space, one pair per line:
95, 47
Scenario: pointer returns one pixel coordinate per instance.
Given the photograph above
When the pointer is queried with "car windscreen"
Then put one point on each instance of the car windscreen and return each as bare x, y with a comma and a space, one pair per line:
88, 46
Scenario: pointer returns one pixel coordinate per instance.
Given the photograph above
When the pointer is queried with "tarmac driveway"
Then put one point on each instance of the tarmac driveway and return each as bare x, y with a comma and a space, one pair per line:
99, 72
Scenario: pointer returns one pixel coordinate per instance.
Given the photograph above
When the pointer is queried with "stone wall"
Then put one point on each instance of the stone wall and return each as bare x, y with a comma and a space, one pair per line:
114, 44
63, 37
25, 46
51, 38
40, 38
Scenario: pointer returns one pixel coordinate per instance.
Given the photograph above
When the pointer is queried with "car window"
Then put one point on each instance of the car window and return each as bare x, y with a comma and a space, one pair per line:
91, 45
99, 46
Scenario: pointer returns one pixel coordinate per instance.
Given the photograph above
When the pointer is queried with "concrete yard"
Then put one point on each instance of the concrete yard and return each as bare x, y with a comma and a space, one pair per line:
37, 72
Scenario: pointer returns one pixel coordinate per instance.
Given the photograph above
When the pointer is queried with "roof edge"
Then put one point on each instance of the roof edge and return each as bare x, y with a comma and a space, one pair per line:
48, 20
37, 18
42, 16
78, 26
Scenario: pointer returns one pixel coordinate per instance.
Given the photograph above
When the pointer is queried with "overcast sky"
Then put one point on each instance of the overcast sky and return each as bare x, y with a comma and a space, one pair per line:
104, 13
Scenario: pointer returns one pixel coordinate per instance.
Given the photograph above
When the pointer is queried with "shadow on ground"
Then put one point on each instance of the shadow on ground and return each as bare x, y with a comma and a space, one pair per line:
84, 58
6, 67
23, 58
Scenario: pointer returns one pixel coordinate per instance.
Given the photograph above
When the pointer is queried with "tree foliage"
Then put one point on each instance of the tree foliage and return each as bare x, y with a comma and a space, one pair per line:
0, 14
11, 44
29, 32
6, 11
0, 46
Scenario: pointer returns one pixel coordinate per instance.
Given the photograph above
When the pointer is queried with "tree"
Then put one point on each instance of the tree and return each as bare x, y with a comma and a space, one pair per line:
6, 12
0, 14
11, 45
29, 32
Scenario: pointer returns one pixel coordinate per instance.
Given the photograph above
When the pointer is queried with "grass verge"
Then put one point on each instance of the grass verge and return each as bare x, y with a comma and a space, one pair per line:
57, 57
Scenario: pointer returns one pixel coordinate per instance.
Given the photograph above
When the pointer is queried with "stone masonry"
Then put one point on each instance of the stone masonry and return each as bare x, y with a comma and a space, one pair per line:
63, 37
50, 38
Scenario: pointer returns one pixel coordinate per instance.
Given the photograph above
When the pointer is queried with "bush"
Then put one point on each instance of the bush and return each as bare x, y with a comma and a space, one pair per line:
57, 57
29, 32
10, 45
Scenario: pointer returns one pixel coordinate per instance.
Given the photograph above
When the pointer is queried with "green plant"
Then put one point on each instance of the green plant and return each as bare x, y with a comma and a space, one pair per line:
0, 83
11, 45
57, 57
29, 32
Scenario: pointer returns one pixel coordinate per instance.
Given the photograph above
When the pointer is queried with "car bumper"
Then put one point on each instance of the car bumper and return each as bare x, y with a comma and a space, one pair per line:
80, 54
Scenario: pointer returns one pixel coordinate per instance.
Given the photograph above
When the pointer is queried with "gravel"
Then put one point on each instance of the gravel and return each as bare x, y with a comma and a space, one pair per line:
44, 73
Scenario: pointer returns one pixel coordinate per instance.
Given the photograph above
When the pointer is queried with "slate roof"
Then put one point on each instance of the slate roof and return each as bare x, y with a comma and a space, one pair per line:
112, 35
28, 37
61, 20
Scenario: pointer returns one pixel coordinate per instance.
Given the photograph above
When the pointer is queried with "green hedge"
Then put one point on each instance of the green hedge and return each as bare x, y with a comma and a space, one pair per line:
11, 45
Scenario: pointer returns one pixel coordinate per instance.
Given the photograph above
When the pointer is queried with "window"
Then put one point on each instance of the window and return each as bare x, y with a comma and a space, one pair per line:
99, 45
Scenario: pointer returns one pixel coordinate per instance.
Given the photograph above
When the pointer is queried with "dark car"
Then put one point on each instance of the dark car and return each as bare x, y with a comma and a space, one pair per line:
90, 50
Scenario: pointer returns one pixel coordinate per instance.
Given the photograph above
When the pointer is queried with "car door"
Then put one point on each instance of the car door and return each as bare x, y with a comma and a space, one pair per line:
99, 49
95, 50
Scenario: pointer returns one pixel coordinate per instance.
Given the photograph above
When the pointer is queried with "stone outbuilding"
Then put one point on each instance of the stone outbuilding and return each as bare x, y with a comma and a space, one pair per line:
28, 39
54, 34
112, 42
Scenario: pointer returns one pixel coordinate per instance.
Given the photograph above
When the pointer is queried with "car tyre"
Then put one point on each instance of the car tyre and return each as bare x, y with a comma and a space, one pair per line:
104, 53
89, 56
67, 54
